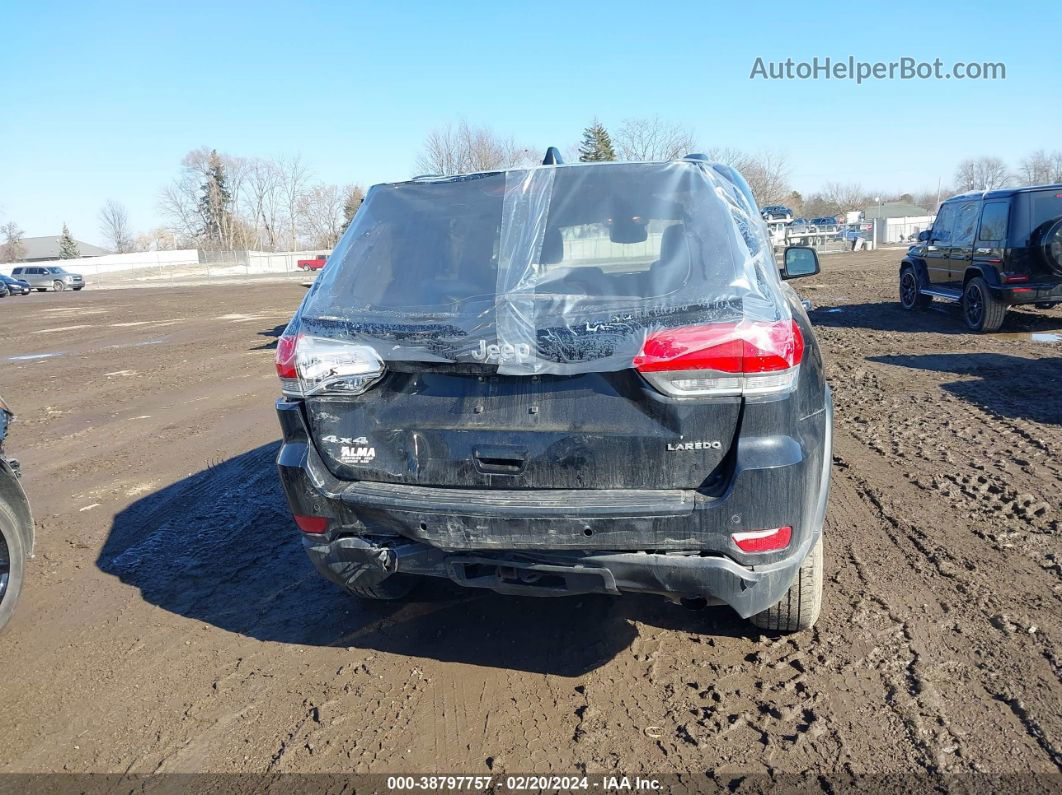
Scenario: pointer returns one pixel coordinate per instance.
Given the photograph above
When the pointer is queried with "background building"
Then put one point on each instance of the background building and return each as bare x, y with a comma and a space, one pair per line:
41, 249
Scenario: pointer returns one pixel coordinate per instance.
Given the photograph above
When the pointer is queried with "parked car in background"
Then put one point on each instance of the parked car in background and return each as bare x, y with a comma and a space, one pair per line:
48, 277
988, 251
826, 223
16, 526
4, 291
314, 264
776, 212
606, 388
15, 286
859, 231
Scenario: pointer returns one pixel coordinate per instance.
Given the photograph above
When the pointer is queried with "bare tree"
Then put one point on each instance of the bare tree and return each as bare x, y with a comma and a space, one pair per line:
768, 175
930, 198
766, 172
652, 139
981, 173
321, 215
12, 249
223, 201
161, 238
294, 179
200, 202
261, 202
465, 149
836, 198
179, 201
114, 225
352, 200
727, 155
1041, 167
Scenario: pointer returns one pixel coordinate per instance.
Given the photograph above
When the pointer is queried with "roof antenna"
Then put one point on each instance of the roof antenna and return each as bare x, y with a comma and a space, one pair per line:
553, 157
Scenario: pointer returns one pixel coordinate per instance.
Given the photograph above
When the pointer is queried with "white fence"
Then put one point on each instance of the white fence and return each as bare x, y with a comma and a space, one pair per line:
189, 264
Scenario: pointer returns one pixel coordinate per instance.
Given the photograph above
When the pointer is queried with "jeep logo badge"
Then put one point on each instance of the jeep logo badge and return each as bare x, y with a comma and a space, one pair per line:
506, 352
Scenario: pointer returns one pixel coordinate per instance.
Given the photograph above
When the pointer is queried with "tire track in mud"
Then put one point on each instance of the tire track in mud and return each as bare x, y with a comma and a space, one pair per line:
973, 610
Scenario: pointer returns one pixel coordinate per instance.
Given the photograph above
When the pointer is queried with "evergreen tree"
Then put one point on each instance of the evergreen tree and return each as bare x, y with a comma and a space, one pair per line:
597, 145
67, 247
215, 202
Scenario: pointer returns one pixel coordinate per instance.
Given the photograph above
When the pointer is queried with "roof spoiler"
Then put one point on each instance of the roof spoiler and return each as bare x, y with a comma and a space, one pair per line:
553, 157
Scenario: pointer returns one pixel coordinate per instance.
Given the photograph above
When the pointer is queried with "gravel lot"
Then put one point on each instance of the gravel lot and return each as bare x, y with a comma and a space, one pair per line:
172, 623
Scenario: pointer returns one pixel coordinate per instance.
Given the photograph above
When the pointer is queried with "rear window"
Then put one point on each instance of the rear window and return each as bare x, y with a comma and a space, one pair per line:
618, 232
556, 259
994, 222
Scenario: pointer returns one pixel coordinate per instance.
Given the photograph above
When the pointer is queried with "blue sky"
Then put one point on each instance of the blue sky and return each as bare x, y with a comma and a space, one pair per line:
101, 100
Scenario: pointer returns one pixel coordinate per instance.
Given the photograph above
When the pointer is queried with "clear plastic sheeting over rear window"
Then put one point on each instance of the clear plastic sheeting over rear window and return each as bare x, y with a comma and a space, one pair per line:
554, 269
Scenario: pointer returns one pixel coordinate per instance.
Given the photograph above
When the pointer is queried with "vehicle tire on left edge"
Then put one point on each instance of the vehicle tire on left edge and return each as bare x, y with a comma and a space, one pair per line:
12, 563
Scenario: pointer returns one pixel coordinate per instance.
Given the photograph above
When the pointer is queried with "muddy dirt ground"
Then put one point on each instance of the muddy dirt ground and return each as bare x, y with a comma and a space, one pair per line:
171, 622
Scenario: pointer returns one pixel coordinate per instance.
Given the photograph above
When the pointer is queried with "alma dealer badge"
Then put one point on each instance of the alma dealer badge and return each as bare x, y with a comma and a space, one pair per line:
357, 451
352, 451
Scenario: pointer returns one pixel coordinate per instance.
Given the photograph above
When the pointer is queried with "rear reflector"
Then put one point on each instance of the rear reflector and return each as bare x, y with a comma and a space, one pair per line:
723, 359
311, 524
1015, 278
763, 540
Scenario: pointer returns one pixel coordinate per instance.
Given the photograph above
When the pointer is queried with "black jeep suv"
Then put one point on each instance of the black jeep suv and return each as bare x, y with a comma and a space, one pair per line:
562, 380
989, 251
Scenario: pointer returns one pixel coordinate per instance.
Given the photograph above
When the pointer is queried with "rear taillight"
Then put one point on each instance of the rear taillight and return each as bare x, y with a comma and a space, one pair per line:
763, 540
285, 361
723, 359
1015, 278
319, 366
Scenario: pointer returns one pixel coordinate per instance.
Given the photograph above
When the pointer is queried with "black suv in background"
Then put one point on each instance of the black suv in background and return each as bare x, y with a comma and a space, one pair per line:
989, 250
562, 380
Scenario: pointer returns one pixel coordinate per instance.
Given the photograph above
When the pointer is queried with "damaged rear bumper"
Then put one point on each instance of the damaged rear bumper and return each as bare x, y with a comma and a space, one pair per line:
562, 542
352, 560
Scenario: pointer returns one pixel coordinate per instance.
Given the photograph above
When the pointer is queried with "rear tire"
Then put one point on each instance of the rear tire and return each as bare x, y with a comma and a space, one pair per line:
910, 298
12, 562
799, 608
981, 310
397, 586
